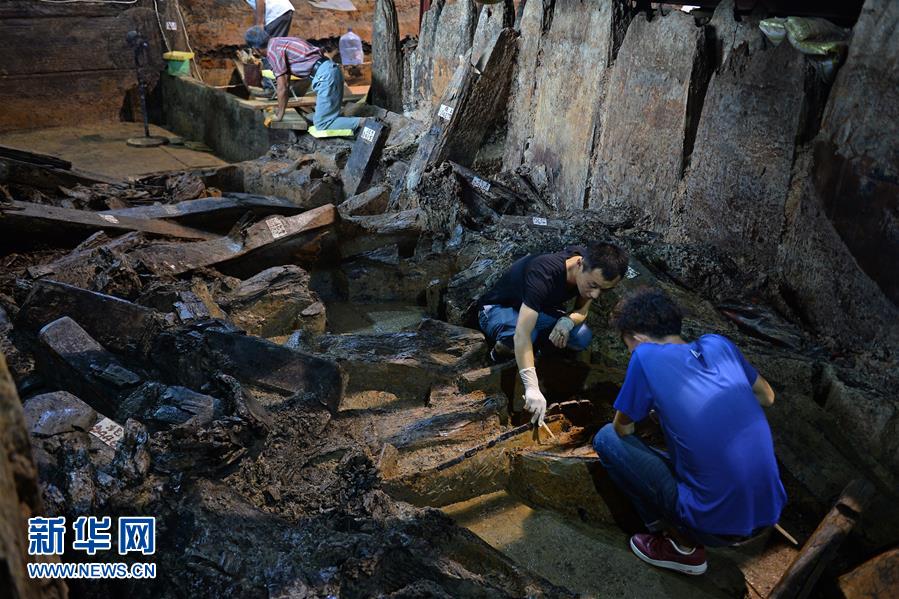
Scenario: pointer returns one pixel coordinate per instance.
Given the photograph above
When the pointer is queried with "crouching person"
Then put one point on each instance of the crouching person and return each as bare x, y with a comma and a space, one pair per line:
526, 308
718, 484
294, 56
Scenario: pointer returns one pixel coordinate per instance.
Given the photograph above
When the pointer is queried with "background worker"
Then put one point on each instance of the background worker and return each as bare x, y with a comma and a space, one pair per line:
292, 55
719, 483
526, 306
274, 16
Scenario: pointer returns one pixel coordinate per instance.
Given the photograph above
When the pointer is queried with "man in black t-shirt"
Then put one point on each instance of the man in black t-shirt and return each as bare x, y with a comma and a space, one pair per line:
527, 306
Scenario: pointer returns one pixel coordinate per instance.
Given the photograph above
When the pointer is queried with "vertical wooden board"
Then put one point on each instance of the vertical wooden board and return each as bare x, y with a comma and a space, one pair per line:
521, 96
640, 155
574, 56
736, 187
364, 157
387, 58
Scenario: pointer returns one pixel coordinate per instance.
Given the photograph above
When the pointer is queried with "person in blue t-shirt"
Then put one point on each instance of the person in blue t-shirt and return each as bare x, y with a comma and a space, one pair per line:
718, 483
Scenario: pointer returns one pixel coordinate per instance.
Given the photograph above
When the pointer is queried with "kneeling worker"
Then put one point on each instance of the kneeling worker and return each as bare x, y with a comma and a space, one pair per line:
291, 55
718, 484
526, 307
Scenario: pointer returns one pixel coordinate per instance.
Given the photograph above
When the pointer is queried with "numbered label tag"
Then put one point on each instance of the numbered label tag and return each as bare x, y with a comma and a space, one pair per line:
368, 135
170, 209
445, 112
276, 227
539, 221
108, 431
110, 218
631, 273
479, 183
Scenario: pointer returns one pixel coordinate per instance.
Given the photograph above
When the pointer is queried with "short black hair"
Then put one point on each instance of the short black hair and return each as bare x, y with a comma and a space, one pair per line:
649, 311
608, 257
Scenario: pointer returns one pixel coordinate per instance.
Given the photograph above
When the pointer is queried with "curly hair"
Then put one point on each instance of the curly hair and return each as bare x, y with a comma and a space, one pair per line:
608, 257
648, 311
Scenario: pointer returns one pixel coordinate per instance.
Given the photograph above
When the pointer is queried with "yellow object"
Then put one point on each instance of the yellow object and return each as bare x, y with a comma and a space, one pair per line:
269, 74
177, 55
330, 132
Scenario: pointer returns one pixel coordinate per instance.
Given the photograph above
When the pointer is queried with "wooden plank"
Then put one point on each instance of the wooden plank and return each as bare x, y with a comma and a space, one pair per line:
251, 360
292, 121
364, 157
211, 213
74, 361
46, 177
877, 577
800, 578
460, 120
34, 158
271, 234
120, 325
56, 224
387, 58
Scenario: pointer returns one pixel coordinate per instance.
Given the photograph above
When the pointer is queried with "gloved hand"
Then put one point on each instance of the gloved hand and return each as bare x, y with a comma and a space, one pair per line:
560, 332
534, 401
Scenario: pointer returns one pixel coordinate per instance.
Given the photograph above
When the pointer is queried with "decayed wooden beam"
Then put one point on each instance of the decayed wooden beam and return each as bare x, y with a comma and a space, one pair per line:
800, 578
53, 224
361, 234
387, 58
272, 234
469, 105
364, 157
184, 356
877, 577
120, 325
34, 158
211, 213
44, 176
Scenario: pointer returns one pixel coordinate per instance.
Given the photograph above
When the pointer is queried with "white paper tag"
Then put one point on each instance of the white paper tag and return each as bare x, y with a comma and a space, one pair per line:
631, 273
276, 227
479, 183
171, 25
539, 220
368, 135
110, 218
445, 112
170, 209
108, 431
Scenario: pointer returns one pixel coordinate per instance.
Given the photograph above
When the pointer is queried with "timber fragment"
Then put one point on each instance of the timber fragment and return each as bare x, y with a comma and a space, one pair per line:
53, 225
276, 238
364, 157
387, 58
215, 214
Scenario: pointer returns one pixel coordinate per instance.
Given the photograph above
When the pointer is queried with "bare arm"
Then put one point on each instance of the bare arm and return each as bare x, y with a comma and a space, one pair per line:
763, 392
624, 426
581, 309
524, 349
282, 96
260, 13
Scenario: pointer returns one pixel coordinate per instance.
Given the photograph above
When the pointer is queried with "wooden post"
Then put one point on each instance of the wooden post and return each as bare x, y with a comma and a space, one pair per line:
466, 110
364, 157
387, 58
800, 578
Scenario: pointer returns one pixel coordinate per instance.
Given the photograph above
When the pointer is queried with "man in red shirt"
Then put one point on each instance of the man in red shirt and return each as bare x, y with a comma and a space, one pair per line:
294, 56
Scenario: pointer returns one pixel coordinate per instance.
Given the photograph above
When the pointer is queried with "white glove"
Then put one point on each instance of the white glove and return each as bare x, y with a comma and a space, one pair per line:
534, 401
560, 332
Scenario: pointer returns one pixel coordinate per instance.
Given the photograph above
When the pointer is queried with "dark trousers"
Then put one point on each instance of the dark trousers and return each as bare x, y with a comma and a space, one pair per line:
280, 27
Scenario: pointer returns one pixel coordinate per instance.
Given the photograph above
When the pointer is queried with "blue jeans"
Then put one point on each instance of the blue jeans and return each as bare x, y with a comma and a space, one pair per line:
328, 86
646, 476
499, 324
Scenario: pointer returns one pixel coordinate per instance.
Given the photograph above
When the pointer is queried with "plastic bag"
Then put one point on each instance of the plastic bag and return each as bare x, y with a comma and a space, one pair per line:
774, 29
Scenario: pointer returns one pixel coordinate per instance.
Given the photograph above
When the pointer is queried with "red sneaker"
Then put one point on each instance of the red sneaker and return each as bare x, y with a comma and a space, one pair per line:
659, 550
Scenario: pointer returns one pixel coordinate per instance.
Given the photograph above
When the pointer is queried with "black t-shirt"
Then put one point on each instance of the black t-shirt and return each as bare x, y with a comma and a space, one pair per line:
539, 281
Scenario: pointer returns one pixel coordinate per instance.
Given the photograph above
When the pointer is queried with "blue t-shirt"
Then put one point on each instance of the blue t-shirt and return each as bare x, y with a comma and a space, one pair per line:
717, 434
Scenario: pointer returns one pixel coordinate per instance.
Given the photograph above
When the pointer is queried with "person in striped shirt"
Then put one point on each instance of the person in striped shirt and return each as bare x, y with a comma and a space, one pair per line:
294, 56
